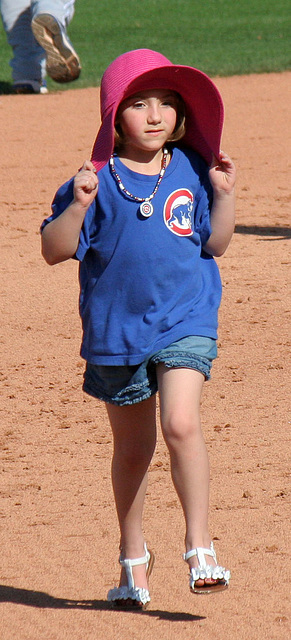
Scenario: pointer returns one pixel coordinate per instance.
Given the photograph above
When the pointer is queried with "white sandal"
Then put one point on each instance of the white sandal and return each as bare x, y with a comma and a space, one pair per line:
206, 571
130, 596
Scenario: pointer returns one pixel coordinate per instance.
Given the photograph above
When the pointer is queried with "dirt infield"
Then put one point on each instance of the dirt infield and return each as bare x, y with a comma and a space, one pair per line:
58, 529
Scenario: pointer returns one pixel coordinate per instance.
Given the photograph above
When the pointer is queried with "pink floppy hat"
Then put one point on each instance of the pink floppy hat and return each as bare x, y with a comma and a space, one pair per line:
144, 69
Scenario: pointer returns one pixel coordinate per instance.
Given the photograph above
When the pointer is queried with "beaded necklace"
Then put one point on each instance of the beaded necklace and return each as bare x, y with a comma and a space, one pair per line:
146, 208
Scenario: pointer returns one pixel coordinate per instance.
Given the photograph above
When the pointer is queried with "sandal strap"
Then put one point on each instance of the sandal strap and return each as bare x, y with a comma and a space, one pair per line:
135, 561
214, 573
138, 595
206, 571
201, 552
128, 563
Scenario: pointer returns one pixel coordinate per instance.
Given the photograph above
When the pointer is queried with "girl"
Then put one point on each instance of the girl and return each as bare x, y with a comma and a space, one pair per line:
145, 230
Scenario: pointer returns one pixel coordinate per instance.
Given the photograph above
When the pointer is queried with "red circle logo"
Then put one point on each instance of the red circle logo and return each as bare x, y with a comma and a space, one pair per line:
178, 212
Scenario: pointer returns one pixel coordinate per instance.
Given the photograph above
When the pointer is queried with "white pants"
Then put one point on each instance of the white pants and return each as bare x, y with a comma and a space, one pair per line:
28, 62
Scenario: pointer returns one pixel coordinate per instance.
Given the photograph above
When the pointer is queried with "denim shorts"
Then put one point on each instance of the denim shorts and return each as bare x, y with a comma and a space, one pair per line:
123, 385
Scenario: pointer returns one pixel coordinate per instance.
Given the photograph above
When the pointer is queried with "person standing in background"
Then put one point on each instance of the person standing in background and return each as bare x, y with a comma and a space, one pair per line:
37, 32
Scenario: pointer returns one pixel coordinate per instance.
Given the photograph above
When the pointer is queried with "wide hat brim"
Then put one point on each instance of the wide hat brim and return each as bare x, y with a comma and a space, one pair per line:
203, 109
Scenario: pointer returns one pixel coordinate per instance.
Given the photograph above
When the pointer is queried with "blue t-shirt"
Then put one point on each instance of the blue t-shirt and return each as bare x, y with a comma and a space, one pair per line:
145, 282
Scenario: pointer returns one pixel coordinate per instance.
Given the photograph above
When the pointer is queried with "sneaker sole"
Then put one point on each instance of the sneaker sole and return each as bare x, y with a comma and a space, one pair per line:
62, 62
27, 88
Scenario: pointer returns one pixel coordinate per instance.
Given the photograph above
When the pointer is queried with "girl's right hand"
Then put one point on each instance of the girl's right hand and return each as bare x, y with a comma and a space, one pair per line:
86, 184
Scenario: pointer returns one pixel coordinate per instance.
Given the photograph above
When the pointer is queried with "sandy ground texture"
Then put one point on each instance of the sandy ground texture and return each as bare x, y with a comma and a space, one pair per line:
58, 528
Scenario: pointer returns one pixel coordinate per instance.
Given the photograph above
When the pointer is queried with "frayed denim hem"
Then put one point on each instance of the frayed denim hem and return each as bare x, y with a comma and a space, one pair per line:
118, 400
185, 361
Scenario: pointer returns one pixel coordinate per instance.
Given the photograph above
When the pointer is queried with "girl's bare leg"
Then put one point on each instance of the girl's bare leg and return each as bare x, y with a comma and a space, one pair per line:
180, 394
134, 434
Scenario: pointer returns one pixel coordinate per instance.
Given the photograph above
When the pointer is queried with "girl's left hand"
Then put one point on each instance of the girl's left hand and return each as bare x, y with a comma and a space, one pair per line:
222, 173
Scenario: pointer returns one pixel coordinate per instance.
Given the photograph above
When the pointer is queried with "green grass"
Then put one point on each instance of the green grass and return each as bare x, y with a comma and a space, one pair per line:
220, 37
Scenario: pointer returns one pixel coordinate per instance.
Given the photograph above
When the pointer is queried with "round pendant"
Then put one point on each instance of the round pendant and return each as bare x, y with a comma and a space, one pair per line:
146, 209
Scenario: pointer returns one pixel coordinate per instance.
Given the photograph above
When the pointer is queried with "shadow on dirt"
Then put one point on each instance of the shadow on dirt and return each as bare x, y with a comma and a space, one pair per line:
42, 600
5, 88
277, 233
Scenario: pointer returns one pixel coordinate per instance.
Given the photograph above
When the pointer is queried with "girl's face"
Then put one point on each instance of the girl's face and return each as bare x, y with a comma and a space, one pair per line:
148, 119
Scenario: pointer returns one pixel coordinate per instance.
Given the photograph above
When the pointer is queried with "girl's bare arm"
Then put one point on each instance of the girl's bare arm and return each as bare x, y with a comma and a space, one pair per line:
222, 174
60, 238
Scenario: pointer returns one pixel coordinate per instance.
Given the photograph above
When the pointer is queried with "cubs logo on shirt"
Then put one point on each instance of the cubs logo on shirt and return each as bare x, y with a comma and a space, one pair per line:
178, 212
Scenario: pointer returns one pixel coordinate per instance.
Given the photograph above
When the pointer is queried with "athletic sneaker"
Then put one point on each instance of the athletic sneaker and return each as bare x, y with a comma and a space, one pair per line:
62, 61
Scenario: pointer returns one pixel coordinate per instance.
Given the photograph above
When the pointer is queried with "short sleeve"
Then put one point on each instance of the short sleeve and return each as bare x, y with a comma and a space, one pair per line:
61, 201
